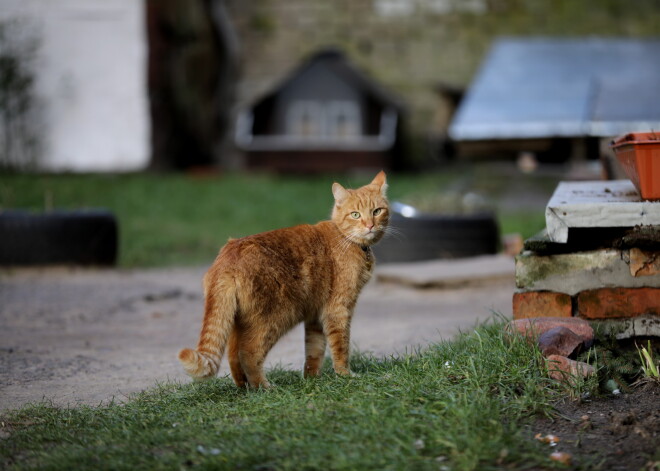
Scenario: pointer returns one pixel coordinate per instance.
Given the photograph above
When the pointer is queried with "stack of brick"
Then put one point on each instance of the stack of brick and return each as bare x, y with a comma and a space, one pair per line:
602, 270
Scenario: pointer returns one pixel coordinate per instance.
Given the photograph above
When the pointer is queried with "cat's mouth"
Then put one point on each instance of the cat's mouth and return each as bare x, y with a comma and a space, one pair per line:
365, 237
369, 237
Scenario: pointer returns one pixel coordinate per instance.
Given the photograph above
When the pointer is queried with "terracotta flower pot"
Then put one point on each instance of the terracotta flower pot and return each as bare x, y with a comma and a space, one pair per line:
639, 155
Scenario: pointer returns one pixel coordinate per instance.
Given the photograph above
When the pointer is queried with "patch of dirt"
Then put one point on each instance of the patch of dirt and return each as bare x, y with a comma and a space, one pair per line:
610, 433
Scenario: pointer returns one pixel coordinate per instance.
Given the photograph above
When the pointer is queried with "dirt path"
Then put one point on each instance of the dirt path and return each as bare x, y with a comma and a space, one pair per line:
86, 336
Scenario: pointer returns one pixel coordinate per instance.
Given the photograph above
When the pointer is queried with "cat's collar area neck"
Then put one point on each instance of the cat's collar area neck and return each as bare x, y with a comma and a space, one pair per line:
365, 248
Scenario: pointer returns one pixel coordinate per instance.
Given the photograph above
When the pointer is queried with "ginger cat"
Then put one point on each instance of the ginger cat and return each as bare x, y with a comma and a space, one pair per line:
261, 286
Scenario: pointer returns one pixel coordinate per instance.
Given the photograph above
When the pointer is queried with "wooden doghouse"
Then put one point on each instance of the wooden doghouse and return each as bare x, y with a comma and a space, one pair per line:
326, 116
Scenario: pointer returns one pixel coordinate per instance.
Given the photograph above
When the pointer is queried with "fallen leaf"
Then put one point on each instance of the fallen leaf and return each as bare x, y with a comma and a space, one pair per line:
640, 431
551, 440
561, 457
504, 452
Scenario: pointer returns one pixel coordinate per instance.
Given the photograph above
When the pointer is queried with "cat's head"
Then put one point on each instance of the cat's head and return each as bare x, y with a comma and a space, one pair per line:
362, 214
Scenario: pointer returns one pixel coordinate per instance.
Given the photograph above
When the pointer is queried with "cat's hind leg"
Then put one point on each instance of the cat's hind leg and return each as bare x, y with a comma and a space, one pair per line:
254, 345
237, 373
314, 348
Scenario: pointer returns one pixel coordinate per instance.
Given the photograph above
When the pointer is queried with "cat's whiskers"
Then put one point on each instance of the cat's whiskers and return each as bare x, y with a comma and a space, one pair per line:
352, 237
358, 236
342, 245
394, 232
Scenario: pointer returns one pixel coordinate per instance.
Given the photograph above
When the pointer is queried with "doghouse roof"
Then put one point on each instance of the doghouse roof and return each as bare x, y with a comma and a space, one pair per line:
336, 63
540, 87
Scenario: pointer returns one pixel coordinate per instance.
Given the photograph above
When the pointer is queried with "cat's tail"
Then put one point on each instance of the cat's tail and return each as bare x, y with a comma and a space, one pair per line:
219, 313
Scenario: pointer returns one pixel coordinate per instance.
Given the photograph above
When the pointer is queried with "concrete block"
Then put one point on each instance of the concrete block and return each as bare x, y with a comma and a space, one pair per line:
572, 273
606, 303
541, 304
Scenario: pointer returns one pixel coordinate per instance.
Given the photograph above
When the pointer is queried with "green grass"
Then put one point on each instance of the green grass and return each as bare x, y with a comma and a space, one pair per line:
460, 405
178, 219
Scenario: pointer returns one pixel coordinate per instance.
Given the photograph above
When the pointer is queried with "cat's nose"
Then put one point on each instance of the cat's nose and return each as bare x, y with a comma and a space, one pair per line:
369, 225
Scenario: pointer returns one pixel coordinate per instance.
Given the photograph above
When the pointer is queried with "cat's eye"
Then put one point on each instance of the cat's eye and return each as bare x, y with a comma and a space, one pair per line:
355, 215
378, 211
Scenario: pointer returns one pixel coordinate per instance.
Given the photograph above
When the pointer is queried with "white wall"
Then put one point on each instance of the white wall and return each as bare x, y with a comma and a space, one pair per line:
91, 80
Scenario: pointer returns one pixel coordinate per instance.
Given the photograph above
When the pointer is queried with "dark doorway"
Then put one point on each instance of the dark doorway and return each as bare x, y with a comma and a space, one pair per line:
191, 79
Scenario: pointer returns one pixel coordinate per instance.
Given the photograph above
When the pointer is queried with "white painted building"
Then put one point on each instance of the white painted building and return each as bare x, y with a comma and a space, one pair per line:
91, 82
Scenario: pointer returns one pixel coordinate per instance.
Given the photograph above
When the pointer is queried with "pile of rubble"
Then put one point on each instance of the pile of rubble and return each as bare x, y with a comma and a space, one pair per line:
558, 338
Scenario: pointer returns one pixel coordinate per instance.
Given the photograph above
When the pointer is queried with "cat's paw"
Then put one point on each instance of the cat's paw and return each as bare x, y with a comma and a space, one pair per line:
311, 372
346, 372
263, 384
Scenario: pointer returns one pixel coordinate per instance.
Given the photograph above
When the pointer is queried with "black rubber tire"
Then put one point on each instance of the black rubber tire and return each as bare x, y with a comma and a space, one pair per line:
59, 237
429, 237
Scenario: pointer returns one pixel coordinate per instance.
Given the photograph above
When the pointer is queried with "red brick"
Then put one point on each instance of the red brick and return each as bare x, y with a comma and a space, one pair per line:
607, 303
541, 304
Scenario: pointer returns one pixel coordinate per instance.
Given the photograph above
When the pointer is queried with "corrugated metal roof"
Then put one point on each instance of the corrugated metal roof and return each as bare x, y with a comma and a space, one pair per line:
540, 87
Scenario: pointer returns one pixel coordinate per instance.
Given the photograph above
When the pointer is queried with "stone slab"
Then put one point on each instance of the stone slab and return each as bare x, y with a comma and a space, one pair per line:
593, 204
473, 271
571, 273
640, 326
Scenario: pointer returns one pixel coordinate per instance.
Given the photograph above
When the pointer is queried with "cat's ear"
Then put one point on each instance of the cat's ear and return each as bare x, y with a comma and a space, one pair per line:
381, 181
340, 193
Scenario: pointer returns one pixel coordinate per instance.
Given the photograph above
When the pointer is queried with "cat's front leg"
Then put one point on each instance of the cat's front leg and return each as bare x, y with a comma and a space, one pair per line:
337, 327
314, 348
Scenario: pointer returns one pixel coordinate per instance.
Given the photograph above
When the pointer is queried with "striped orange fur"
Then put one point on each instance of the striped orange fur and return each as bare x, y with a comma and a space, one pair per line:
261, 286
